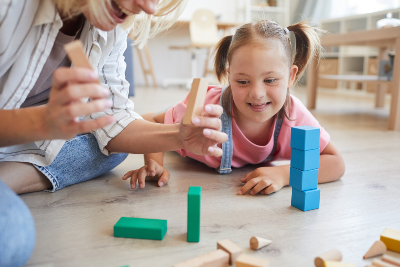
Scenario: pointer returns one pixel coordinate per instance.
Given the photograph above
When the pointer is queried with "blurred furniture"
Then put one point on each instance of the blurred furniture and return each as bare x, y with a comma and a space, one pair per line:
328, 66
381, 38
128, 54
277, 10
149, 70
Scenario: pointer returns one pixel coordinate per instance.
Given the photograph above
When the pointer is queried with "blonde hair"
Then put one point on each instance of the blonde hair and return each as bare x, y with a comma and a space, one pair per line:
142, 26
308, 45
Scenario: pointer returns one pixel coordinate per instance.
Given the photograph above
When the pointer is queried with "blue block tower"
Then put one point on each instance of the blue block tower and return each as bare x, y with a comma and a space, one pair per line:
304, 165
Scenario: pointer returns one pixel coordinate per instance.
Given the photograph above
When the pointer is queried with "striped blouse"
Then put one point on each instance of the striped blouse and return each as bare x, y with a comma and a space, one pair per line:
28, 29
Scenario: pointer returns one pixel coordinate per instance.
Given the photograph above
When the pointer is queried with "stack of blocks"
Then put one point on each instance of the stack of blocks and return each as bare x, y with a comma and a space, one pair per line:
304, 166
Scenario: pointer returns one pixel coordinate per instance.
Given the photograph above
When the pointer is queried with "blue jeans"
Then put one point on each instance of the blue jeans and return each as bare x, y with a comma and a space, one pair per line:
17, 229
79, 160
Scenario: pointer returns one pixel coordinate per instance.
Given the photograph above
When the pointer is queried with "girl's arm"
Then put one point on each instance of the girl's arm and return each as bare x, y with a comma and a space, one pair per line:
271, 179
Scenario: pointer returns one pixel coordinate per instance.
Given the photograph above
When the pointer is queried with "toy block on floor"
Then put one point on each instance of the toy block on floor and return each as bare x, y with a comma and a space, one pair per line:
391, 260
195, 104
379, 263
338, 264
217, 258
249, 261
304, 137
303, 180
304, 159
193, 220
258, 242
378, 248
231, 248
305, 200
330, 255
140, 228
391, 238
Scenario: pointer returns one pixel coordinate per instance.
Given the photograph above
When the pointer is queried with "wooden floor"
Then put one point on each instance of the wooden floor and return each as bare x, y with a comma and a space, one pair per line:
75, 225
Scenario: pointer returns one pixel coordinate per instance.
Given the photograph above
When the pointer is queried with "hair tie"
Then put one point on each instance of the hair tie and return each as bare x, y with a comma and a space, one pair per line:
286, 30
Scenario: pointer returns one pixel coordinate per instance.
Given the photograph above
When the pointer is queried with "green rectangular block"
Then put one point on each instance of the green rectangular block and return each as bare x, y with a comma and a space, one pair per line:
193, 222
140, 228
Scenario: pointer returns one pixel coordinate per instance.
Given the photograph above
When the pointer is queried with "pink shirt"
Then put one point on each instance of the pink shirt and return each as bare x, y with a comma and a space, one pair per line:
244, 151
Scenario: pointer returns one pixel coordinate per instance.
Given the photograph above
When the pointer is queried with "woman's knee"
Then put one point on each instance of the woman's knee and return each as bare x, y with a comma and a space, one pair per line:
17, 229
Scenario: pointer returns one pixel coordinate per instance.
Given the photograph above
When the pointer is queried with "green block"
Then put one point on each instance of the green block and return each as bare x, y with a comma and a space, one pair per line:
193, 222
140, 228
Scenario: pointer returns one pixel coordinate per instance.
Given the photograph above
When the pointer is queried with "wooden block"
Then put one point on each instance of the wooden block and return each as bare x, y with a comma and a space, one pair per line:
304, 137
193, 221
338, 264
77, 55
305, 200
304, 159
217, 258
380, 263
195, 104
330, 255
140, 228
303, 180
378, 248
390, 259
249, 261
391, 238
231, 248
258, 242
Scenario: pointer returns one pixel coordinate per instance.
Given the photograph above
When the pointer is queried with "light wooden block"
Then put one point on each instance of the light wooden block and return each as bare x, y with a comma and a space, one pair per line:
217, 258
249, 261
258, 242
379, 263
195, 104
231, 248
77, 55
390, 259
338, 264
330, 255
391, 238
378, 248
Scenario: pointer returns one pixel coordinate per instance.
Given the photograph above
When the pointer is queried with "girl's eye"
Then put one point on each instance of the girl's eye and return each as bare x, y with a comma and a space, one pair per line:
243, 82
269, 80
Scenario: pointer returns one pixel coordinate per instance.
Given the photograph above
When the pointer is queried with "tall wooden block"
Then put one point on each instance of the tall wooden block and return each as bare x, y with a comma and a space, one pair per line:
193, 221
140, 228
391, 238
304, 159
303, 180
304, 137
195, 104
305, 200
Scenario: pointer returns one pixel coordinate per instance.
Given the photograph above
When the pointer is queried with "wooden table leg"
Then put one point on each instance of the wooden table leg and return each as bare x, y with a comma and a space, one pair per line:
380, 87
394, 117
312, 80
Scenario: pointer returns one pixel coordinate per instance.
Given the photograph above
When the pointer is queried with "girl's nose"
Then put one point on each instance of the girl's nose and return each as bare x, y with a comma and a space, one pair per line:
148, 6
257, 91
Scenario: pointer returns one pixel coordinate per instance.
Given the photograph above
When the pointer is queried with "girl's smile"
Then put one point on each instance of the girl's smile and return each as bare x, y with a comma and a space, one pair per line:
259, 107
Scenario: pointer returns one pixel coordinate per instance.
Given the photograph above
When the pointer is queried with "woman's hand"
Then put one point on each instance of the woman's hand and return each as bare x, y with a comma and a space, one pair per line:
151, 171
65, 106
266, 180
204, 137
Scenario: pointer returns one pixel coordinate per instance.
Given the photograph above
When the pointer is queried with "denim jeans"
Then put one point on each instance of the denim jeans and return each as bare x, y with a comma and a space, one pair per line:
79, 160
17, 229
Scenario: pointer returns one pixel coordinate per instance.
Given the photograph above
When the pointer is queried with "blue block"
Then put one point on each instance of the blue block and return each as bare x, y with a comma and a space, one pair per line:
304, 137
304, 159
303, 180
305, 200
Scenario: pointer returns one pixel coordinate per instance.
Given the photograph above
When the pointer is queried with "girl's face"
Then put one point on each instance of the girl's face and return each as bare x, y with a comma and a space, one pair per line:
259, 79
120, 10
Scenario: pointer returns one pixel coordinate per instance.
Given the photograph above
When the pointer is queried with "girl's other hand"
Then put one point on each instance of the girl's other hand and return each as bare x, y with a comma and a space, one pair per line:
204, 137
265, 180
152, 171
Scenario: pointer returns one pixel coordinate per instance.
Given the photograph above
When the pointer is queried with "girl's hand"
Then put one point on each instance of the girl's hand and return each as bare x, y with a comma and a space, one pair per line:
266, 180
151, 171
204, 137
65, 106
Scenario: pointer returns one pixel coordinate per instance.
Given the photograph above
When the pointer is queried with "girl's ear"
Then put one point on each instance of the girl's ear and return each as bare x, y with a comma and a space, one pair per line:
227, 70
292, 75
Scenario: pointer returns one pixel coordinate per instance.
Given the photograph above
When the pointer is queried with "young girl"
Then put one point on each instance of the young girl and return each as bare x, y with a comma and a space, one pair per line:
259, 110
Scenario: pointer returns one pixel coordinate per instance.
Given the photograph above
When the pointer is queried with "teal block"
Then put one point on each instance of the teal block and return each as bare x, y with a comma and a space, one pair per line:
193, 221
140, 228
303, 180
304, 159
305, 200
304, 137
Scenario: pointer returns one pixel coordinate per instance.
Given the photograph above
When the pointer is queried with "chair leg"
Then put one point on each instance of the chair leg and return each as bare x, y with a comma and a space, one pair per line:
143, 66
150, 70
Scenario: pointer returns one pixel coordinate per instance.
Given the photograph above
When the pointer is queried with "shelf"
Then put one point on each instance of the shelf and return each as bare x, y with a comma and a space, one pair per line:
352, 78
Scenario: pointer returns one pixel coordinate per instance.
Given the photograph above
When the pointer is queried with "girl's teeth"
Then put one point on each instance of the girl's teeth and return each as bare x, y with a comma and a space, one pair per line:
127, 12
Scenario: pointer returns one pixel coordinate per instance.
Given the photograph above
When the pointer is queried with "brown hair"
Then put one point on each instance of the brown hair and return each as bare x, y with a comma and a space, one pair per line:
308, 45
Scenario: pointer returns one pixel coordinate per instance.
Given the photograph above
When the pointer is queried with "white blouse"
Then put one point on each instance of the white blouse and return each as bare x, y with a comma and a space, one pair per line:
28, 29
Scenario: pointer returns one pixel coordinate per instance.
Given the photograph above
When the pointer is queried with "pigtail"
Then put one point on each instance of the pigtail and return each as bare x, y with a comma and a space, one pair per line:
221, 57
308, 45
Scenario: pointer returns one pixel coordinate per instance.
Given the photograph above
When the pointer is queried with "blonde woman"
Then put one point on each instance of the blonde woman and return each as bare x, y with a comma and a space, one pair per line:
41, 107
